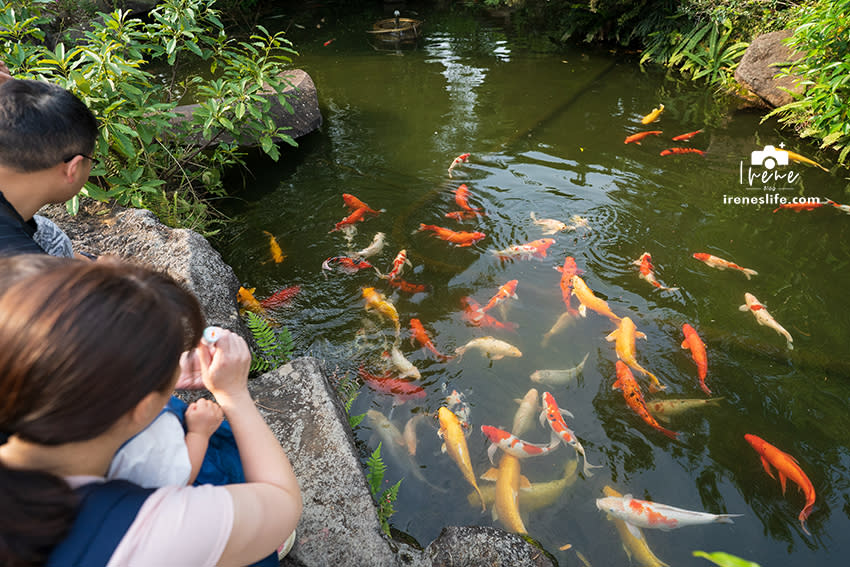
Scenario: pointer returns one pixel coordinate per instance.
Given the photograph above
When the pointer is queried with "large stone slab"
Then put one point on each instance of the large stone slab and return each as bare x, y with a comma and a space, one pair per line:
760, 64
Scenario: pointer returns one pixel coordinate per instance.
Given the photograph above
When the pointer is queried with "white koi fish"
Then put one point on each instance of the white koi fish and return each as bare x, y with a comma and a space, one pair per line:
764, 318
527, 413
534, 249
559, 377
376, 246
550, 226
490, 347
565, 321
645, 514
405, 368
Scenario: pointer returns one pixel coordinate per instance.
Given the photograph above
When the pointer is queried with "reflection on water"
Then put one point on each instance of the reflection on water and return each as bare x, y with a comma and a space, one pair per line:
546, 136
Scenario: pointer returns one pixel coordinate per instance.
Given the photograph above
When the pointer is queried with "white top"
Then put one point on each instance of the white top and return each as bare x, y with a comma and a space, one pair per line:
156, 457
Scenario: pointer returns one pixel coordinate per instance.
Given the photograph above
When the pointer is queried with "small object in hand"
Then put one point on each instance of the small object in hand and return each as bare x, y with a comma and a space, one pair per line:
211, 335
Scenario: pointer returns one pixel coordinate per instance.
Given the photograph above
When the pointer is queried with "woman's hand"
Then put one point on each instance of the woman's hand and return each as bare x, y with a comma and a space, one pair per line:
224, 365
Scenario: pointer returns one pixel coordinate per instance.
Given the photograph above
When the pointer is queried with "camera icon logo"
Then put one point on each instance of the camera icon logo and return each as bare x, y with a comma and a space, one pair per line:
769, 157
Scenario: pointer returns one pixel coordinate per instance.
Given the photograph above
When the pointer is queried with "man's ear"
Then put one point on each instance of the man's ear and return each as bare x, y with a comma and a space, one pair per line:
71, 169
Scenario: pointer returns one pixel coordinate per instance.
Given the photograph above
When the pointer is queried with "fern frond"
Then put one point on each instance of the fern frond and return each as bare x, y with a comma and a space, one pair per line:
375, 469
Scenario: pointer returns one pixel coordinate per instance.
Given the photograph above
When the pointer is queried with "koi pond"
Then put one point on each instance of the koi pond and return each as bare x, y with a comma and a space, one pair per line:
545, 135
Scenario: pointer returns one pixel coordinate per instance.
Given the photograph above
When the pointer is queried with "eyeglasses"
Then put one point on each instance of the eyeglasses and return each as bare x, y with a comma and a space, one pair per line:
94, 161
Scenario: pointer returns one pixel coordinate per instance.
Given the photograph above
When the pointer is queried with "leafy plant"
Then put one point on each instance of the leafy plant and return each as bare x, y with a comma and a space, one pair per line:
275, 347
348, 390
147, 156
385, 499
724, 559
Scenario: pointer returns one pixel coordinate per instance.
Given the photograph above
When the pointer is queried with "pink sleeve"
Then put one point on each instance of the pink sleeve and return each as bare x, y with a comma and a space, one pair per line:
178, 525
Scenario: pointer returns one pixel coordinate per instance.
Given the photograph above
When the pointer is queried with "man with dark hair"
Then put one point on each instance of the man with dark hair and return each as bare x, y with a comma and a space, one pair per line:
47, 136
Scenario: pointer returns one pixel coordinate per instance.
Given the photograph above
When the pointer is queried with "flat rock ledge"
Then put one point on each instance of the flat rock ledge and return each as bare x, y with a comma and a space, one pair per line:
339, 526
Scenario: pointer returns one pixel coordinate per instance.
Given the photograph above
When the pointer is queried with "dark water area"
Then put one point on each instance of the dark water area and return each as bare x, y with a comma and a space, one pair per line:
545, 133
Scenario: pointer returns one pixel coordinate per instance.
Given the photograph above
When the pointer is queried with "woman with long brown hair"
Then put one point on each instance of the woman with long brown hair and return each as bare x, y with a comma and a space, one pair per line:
89, 355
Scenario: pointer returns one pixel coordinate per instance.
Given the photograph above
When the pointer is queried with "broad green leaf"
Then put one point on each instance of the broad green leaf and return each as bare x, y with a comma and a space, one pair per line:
724, 559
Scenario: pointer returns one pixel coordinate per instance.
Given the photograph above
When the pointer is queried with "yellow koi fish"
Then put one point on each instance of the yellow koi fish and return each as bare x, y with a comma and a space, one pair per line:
508, 482
589, 301
803, 159
652, 116
454, 443
536, 495
625, 336
634, 542
377, 301
245, 296
277, 253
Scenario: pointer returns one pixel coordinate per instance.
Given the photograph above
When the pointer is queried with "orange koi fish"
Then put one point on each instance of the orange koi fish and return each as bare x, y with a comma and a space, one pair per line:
457, 161
645, 263
634, 398
345, 264
568, 270
787, 467
589, 301
357, 216
277, 253
513, 445
507, 291
354, 203
401, 390
418, 334
454, 443
398, 265
722, 264
533, 249
279, 298
462, 198
646, 514
328, 42
677, 151
687, 136
408, 287
636, 138
697, 348
245, 296
552, 414
464, 215
625, 335
459, 238
652, 116
473, 315
797, 207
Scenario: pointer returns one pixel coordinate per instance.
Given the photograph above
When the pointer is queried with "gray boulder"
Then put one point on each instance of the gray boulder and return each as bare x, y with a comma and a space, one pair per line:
760, 64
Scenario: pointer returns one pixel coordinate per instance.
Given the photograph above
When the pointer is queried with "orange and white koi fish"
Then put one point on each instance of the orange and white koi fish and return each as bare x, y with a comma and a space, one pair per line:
405, 368
345, 264
634, 398
357, 216
277, 253
245, 296
764, 318
407, 287
280, 297
568, 270
491, 347
797, 207
457, 161
721, 264
377, 301
552, 414
418, 334
688, 136
697, 348
550, 226
473, 315
670, 407
645, 263
636, 138
634, 542
679, 151
533, 249
843, 208
462, 198
559, 377
788, 468
589, 301
459, 238
398, 265
513, 445
507, 291
802, 159
646, 514
454, 443
652, 116
354, 203
375, 247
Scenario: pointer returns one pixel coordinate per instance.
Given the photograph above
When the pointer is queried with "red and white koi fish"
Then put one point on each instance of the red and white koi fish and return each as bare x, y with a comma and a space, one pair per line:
376, 246
398, 265
407, 287
473, 315
797, 207
645, 263
788, 468
418, 334
764, 318
687, 136
462, 199
636, 138
721, 264
552, 414
588, 300
357, 216
459, 238
457, 161
533, 249
550, 226
513, 445
634, 398
652, 116
843, 208
634, 542
507, 291
354, 203
697, 348
401, 390
280, 297
646, 514
677, 151
277, 253
625, 335
345, 264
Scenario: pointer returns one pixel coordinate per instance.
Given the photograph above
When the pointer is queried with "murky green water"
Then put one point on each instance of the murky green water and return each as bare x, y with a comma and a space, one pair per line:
546, 135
